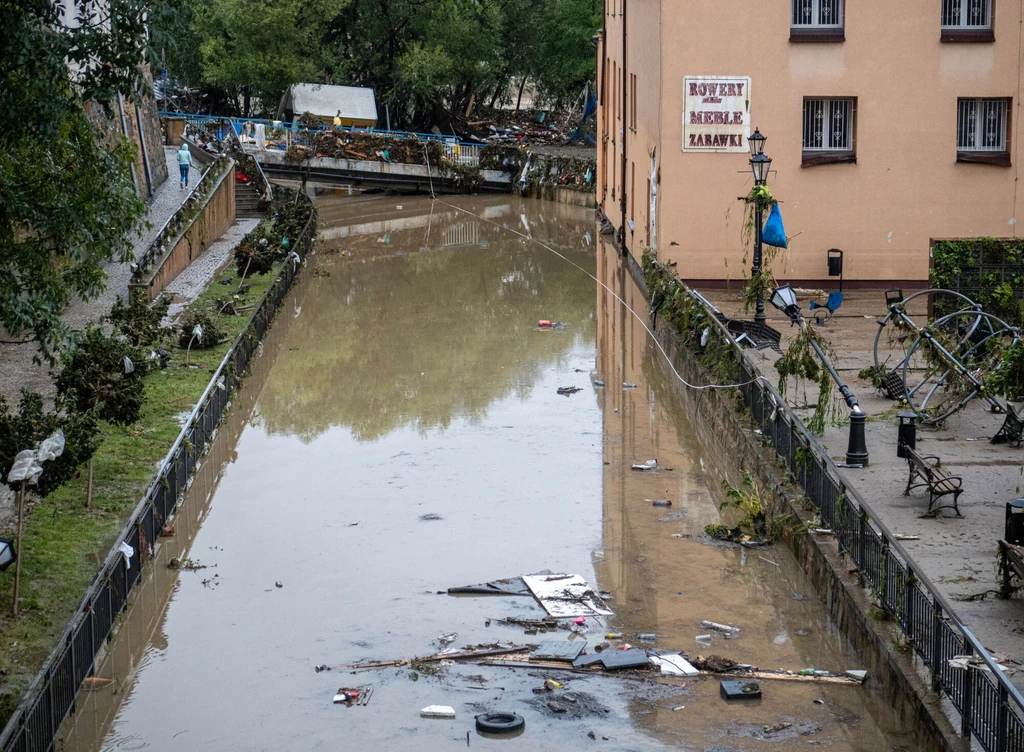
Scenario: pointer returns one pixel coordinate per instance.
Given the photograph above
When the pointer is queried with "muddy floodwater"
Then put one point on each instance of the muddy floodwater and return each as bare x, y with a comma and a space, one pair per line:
402, 433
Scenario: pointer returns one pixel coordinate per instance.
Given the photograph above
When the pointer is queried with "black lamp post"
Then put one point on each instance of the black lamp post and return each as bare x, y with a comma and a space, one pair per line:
784, 298
760, 164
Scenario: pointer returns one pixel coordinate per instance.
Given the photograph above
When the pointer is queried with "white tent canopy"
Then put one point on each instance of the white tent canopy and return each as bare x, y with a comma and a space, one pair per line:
357, 104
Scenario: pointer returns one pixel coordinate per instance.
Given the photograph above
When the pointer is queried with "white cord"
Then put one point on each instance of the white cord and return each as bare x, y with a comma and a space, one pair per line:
614, 295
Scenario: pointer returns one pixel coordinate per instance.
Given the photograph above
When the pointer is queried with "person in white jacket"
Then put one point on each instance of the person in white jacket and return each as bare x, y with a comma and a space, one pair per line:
184, 162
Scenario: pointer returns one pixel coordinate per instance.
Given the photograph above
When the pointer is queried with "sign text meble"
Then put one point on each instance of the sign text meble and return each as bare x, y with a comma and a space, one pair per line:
716, 113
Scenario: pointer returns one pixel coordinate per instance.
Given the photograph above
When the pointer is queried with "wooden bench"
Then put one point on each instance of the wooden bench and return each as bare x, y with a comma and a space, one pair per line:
933, 477
1011, 567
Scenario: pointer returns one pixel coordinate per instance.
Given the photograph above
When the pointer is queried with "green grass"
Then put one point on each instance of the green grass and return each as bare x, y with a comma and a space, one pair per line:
64, 544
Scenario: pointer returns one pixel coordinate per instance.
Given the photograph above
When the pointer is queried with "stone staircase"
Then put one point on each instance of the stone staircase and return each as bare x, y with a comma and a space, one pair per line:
247, 200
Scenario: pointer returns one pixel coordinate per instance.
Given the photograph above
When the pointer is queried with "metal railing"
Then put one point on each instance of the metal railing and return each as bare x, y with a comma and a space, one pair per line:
180, 222
52, 693
990, 706
294, 134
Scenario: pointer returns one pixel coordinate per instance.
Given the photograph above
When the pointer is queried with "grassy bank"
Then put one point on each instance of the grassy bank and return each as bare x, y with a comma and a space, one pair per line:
64, 543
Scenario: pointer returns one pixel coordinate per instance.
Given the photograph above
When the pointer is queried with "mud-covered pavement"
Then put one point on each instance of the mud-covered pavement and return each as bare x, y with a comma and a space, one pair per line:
403, 434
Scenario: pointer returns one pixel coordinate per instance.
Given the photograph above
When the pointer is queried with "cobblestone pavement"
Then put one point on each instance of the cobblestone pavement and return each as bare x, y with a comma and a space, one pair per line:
957, 554
187, 286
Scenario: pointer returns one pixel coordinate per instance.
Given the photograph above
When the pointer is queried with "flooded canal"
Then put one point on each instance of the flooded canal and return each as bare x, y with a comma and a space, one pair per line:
402, 434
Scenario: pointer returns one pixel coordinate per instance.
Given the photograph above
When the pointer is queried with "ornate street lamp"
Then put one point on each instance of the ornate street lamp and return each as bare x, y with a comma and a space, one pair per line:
760, 164
784, 298
756, 143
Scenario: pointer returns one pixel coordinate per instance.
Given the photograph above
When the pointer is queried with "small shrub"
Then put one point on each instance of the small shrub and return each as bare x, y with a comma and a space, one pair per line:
206, 319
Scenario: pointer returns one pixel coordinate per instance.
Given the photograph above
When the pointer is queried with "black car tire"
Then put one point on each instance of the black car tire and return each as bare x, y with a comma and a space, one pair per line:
499, 723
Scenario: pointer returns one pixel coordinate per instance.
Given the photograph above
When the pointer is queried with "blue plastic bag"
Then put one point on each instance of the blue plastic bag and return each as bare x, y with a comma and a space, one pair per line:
774, 233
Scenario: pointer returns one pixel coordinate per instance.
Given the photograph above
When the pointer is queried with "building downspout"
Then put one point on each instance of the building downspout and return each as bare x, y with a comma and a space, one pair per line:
625, 116
145, 151
124, 132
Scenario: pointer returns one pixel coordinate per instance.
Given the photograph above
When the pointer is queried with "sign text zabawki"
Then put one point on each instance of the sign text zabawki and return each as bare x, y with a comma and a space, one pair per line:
716, 113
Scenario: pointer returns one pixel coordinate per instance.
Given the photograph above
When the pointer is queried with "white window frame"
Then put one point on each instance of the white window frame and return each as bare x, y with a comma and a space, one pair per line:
822, 142
972, 112
957, 15
799, 8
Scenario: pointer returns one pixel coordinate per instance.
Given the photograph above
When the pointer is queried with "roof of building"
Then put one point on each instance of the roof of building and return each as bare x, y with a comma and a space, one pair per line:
324, 100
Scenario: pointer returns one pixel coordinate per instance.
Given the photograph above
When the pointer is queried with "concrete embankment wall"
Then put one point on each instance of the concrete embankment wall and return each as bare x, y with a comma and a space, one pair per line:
215, 217
723, 430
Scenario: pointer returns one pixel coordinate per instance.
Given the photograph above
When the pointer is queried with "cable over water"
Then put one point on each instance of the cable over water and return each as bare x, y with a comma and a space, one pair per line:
615, 295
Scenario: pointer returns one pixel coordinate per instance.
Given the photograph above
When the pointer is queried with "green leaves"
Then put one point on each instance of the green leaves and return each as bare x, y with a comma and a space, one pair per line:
67, 203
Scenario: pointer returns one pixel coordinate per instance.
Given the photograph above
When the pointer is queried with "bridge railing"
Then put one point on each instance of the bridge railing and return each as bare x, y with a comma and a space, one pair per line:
295, 134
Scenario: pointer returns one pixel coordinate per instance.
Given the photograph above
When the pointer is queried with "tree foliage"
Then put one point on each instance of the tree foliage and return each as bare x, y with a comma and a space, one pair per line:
426, 60
67, 204
93, 377
31, 424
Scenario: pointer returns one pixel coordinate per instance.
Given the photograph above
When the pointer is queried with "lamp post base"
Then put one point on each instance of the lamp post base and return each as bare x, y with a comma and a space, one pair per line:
857, 450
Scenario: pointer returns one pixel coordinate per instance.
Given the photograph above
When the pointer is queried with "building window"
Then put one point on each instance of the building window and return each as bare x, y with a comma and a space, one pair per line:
816, 21
981, 130
828, 131
967, 21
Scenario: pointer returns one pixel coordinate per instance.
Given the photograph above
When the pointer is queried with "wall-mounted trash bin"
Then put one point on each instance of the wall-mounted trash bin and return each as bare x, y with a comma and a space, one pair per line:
907, 436
1015, 522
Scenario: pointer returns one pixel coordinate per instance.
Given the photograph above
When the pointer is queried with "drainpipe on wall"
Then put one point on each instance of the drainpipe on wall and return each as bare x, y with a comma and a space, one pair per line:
625, 115
124, 132
145, 151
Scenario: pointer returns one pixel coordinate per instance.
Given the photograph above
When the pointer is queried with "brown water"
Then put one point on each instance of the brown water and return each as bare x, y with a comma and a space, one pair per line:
405, 377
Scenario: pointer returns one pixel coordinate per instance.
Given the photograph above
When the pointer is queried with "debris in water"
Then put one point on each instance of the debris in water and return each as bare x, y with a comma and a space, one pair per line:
438, 711
775, 728
447, 638
716, 664
278, 584
567, 390
660, 502
644, 466
597, 382
627, 385
674, 665
566, 595
740, 690
430, 517
725, 629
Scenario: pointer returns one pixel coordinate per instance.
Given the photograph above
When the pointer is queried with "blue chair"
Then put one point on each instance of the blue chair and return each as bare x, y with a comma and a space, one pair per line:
835, 299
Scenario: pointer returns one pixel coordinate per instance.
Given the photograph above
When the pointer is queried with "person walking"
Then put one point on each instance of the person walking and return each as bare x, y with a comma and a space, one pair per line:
184, 162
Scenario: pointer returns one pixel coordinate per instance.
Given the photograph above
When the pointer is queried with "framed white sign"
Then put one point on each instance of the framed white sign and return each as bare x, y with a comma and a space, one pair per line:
716, 113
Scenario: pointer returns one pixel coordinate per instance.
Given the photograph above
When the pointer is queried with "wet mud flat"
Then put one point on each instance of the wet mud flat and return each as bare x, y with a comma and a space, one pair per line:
408, 436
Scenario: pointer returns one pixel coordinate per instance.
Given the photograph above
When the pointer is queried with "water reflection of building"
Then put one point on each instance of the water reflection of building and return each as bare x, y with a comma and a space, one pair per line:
666, 579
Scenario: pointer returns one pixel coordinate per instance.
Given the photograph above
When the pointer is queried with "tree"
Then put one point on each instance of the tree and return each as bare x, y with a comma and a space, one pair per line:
99, 377
67, 204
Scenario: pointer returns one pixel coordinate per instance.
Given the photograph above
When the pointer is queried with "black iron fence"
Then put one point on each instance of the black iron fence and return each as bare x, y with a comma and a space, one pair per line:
990, 707
52, 693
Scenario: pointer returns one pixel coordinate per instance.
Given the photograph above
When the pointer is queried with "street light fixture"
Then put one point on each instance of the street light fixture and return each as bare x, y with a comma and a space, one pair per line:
784, 298
760, 164
756, 143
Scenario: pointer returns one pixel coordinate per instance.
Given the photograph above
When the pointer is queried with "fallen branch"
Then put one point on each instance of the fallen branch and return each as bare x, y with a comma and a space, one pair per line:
430, 658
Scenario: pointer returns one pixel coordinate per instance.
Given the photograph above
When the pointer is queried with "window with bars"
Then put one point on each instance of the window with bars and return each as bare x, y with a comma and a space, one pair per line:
981, 127
817, 14
828, 130
966, 15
